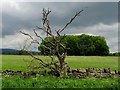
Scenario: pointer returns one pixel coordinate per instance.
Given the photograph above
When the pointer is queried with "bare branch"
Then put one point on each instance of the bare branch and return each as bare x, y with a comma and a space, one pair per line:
46, 31
47, 65
62, 37
33, 41
57, 31
39, 28
27, 35
42, 62
62, 46
46, 47
77, 14
25, 45
45, 20
42, 38
37, 34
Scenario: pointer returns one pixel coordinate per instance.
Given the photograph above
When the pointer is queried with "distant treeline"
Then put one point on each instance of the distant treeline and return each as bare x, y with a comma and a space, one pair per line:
85, 45
79, 45
114, 54
16, 52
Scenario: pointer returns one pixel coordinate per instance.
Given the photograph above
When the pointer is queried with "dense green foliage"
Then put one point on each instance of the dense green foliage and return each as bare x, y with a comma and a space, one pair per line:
21, 62
79, 45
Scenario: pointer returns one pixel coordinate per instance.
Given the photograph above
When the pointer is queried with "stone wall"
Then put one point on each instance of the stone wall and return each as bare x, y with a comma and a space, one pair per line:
75, 73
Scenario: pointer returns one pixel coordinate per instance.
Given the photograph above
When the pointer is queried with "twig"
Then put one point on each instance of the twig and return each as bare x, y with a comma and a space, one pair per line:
27, 35
77, 14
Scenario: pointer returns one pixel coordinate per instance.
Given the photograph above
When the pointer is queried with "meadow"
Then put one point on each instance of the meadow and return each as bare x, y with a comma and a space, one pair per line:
16, 62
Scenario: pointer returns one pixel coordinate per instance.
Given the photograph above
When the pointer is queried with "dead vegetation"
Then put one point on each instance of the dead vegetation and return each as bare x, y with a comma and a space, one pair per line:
59, 68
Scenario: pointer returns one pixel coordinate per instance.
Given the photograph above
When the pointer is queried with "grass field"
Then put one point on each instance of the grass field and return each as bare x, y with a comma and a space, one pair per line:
17, 62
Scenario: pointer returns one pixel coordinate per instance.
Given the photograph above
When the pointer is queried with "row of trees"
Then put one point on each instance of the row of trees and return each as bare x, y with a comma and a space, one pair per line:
79, 45
115, 54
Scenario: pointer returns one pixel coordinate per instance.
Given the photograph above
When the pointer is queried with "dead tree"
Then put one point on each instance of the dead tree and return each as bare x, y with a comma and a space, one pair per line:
60, 66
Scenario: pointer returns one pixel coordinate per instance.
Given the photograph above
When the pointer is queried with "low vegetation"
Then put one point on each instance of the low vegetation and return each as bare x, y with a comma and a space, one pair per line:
16, 62
56, 82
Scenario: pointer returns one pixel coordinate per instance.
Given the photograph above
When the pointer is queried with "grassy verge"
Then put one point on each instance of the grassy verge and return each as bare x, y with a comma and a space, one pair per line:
54, 82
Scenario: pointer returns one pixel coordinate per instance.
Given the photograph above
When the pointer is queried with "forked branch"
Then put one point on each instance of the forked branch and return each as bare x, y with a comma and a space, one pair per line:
55, 48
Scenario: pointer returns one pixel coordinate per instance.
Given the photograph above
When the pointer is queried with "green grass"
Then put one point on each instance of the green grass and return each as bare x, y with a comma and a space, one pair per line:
93, 62
54, 82
16, 62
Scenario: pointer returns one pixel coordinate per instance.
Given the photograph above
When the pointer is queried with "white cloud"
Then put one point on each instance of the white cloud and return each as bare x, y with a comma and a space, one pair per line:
17, 41
10, 3
12, 41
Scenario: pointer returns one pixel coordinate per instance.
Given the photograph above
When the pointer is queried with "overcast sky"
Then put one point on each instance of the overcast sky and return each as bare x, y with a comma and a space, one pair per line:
98, 18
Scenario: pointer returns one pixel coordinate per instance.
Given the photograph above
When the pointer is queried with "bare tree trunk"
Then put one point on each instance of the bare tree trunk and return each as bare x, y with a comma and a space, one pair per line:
63, 68
61, 55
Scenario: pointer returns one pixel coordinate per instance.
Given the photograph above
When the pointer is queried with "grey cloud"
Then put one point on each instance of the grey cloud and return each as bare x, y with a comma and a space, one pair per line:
29, 15
61, 13
97, 13
11, 24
